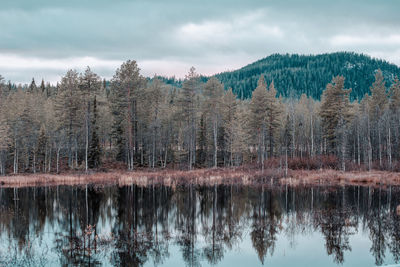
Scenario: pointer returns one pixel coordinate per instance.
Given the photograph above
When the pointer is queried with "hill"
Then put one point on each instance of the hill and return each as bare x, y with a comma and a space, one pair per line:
296, 74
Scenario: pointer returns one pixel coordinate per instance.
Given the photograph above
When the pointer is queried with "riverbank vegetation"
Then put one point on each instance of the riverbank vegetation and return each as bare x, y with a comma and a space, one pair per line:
208, 177
85, 123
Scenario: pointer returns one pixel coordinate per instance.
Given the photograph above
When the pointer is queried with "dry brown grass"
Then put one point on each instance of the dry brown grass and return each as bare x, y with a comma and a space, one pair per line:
240, 175
143, 177
334, 177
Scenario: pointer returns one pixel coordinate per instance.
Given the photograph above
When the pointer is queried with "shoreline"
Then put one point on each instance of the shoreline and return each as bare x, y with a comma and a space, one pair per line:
240, 175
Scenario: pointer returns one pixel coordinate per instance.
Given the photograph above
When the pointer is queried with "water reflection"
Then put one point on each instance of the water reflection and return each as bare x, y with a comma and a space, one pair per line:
135, 226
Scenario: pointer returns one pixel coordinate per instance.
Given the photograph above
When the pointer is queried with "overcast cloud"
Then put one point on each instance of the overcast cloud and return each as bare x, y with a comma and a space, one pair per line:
44, 38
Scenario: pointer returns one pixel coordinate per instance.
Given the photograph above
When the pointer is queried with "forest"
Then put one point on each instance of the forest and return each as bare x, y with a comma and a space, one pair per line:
295, 74
87, 123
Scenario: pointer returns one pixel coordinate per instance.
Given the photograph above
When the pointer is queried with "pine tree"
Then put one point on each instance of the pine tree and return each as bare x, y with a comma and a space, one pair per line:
273, 113
41, 148
95, 148
188, 108
127, 84
229, 112
32, 86
69, 111
258, 118
213, 92
394, 120
202, 142
5, 139
240, 143
378, 104
379, 98
43, 88
395, 96
334, 107
89, 85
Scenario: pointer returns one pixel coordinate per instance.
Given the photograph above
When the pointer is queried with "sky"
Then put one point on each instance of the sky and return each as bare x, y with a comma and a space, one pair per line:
42, 39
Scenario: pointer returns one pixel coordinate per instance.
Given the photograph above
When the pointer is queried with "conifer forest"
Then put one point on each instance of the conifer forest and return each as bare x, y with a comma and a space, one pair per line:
85, 122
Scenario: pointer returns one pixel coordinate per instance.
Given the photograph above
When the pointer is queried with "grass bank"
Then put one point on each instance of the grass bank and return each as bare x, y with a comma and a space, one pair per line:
241, 175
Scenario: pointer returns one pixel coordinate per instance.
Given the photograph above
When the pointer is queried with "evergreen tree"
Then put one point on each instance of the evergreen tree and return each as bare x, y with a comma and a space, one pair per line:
334, 110
213, 92
94, 148
229, 111
378, 104
395, 96
89, 85
188, 108
273, 113
32, 86
41, 148
202, 143
43, 88
68, 109
258, 118
379, 98
127, 84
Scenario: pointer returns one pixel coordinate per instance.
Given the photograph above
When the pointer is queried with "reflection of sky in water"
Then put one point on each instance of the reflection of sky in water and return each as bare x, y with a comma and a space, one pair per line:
302, 224
309, 251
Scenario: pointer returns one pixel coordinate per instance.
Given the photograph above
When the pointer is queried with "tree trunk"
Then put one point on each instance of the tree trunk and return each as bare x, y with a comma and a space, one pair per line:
215, 132
50, 154
87, 138
58, 160
262, 150
369, 146
358, 146
389, 149
379, 146
312, 135
34, 163
286, 162
343, 150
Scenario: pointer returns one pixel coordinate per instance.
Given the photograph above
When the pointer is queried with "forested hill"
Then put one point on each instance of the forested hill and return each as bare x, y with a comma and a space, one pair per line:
295, 74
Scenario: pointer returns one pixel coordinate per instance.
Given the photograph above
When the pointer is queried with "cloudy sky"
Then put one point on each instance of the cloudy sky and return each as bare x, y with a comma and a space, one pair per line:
44, 38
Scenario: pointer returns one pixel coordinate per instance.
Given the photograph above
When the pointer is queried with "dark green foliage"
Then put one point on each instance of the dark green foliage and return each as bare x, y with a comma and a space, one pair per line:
295, 75
94, 148
41, 146
32, 86
42, 87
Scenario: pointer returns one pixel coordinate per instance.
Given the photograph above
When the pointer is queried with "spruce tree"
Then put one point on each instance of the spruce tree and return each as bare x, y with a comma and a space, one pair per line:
32, 86
42, 87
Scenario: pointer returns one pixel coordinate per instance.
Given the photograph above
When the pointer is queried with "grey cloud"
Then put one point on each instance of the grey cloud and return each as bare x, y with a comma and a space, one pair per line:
219, 34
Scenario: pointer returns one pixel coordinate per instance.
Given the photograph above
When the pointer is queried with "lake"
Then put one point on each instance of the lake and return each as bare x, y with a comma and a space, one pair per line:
229, 225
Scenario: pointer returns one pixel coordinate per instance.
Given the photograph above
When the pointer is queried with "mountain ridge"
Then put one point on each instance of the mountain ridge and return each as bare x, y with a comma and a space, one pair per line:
297, 74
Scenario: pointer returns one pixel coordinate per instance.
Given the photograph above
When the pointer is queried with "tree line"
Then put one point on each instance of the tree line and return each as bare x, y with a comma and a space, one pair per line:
87, 123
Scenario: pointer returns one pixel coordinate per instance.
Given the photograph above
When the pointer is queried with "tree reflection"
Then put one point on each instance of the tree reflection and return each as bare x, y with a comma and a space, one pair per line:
266, 216
132, 225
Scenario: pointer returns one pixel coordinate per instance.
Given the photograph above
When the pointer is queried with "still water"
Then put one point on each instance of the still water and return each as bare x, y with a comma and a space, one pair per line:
199, 226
